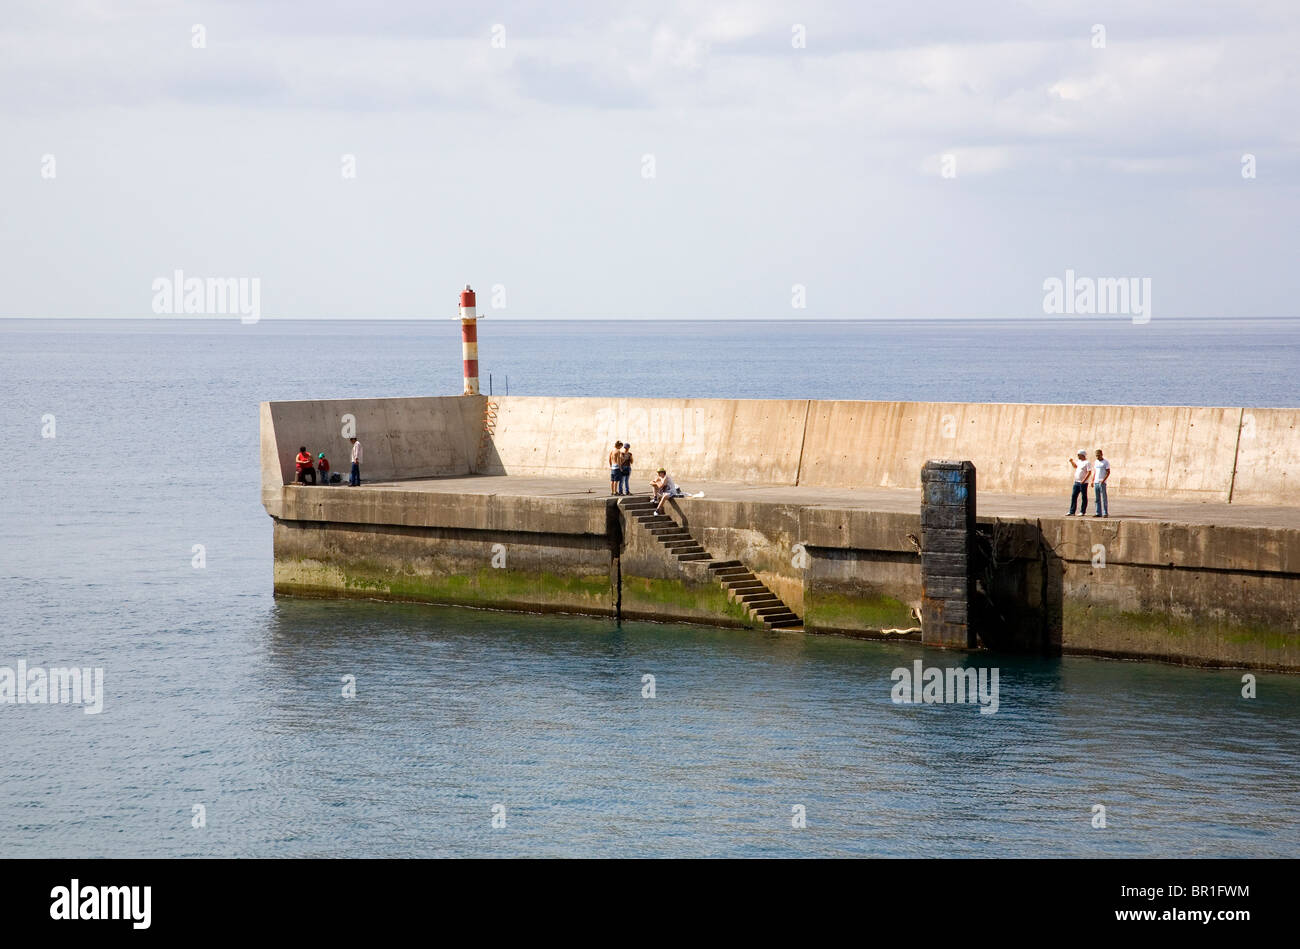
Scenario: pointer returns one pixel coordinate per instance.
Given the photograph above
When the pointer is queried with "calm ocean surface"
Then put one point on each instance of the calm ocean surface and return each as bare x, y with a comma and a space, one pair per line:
218, 694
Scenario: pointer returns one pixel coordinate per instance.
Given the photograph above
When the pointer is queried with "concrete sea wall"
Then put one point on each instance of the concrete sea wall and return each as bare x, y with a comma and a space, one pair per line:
1212, 594
468, 550
1177, 452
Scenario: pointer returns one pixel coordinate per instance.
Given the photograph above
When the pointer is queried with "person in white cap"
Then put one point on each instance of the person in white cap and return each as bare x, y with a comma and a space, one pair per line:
1082, 475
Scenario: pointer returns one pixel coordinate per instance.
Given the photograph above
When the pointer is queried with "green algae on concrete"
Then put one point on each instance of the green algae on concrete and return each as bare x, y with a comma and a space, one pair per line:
868, 614
1105, 630
486, 587
645, 597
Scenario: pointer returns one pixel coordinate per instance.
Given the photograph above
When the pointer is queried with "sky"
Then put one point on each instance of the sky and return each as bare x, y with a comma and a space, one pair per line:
803, 160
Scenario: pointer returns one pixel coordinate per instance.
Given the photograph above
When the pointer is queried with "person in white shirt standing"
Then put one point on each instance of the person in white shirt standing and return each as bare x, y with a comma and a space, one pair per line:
1100, 472
1082, 473
354, 478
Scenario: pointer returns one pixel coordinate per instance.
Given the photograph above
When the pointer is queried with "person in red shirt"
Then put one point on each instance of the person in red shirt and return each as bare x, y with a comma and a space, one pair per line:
303, 467
323, 468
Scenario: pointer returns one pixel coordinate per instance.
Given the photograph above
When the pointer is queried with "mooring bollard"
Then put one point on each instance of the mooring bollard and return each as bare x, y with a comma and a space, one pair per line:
947, 532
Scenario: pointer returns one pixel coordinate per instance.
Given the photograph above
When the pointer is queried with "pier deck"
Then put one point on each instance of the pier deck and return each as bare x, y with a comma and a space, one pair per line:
893, 500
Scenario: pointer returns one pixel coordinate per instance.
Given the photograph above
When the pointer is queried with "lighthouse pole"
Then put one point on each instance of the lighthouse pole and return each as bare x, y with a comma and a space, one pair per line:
469, 340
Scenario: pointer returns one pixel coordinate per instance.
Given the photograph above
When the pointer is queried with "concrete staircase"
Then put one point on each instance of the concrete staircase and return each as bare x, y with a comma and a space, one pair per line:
741, 584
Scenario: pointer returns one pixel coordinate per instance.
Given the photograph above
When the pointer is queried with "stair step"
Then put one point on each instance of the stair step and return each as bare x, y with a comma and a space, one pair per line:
722, 565
783, 622
760, 598
702, 555
735, 583
679, 542
679, 551
667, 529
779, 607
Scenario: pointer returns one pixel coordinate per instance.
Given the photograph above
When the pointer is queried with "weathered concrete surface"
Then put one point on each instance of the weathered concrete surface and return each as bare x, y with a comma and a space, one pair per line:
714, 439
863, 571
444, 503
502, 569
1169, 590
1187, 576
400, 438
1266, 457
1157, 451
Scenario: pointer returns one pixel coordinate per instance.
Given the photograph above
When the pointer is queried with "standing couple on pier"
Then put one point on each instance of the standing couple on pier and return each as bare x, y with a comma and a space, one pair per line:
620, 468
1090, 472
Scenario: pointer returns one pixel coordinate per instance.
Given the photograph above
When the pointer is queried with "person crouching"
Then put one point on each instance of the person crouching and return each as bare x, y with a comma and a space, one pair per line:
303, 466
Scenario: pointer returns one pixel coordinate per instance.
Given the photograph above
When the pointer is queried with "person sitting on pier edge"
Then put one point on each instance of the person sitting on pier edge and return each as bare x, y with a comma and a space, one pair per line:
662, 488
303, 466
625, 469
323, 468
615, 467
1082, 472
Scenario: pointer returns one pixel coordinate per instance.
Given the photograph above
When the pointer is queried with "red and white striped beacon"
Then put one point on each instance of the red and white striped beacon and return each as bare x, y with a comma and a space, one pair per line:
469, 339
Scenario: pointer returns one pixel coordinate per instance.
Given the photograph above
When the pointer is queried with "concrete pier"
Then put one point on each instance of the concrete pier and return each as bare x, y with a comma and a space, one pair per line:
810, 519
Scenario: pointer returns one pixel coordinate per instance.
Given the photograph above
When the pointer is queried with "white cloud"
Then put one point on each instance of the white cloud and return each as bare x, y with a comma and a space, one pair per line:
775, 164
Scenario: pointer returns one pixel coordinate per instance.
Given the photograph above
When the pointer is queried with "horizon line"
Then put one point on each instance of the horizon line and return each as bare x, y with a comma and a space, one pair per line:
1052, 318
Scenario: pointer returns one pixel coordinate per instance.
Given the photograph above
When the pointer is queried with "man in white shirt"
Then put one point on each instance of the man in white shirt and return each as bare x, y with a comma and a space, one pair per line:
1100, 472
1082, 473
354, 478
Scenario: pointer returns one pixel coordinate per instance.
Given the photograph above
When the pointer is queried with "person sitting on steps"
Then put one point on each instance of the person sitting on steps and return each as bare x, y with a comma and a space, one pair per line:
662, 488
